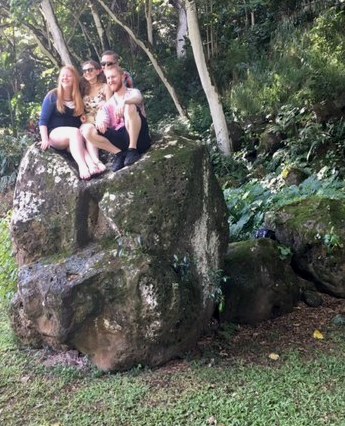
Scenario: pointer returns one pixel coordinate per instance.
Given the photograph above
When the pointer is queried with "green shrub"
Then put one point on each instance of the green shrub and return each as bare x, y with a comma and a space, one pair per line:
302, 66
11, 152
8, 266
248, 204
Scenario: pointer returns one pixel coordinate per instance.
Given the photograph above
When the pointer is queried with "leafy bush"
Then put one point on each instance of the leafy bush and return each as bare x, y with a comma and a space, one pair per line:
248, 204
8, 266
11, 152
303, 66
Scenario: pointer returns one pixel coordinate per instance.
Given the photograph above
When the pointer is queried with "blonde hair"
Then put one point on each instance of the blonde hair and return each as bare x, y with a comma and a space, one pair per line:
76, 95
114, 67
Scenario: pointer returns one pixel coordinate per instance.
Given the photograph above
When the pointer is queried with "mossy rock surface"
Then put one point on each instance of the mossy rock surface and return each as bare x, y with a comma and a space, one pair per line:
315, 230
260, 285
126, 276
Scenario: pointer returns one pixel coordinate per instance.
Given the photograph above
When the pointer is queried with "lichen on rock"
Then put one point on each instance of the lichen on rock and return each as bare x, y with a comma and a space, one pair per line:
98, 259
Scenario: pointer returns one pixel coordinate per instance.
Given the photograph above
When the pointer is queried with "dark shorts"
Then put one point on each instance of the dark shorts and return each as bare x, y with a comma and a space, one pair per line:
120, 138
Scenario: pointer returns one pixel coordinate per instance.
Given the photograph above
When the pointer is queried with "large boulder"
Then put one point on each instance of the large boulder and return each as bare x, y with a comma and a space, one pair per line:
314, 229
118, 267
259, 284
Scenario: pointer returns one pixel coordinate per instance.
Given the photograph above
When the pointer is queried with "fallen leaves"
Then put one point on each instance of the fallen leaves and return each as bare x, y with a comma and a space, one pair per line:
318, 335
273, 356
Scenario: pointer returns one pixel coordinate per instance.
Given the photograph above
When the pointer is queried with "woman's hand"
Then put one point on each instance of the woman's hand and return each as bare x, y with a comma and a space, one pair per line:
45, 145
101, 127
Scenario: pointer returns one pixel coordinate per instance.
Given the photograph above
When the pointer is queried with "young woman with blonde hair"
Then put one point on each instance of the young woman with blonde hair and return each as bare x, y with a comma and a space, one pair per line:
60, 120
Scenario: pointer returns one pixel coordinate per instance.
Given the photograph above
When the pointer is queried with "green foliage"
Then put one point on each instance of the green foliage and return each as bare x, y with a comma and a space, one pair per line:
304, 66
200, 117
218, 278
325, 55
8, 266
248, 204
331, 241
11, 152
284, 252
229, 167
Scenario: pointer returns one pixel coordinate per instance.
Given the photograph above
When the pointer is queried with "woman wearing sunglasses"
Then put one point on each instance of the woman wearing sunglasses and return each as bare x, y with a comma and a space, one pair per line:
94, 92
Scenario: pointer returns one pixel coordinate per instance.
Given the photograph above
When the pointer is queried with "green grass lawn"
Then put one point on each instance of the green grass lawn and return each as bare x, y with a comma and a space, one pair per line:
207, 389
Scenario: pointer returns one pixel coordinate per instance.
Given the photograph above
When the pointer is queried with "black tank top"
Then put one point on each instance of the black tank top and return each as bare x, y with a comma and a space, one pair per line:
65, 119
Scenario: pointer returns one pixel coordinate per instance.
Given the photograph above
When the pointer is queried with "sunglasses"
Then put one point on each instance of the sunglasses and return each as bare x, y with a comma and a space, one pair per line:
107, 64
86, 70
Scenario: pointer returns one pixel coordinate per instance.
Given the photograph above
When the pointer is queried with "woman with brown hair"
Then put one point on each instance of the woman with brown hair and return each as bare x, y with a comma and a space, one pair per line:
94, 93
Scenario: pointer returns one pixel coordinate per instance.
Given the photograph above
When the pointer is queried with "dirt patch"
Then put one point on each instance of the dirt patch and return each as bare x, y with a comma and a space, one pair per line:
72, 358
296, 331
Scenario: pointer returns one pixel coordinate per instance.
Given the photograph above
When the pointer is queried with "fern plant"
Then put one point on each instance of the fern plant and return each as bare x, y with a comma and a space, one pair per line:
248, 204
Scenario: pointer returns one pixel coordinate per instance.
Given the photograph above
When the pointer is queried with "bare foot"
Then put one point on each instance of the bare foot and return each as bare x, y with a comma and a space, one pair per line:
101, 167
84, 173
97, 168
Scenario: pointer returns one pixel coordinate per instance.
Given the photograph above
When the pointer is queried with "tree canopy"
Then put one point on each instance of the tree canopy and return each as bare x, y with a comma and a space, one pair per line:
282, 51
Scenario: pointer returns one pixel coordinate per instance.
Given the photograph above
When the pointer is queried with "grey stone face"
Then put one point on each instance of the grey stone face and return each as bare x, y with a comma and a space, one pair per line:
315, 230
260, 285
118, 267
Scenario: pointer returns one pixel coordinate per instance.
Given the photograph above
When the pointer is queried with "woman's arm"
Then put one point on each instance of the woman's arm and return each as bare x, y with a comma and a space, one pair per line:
47, 109
107, 91
46, 113
44, 137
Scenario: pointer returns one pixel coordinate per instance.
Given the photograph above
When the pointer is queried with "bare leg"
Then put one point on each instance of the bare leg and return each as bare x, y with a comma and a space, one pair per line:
133, 125
92, 137
91, 155
70, 138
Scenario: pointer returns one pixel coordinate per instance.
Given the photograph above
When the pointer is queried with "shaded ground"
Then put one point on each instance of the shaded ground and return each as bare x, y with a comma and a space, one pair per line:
248, 344
294, 331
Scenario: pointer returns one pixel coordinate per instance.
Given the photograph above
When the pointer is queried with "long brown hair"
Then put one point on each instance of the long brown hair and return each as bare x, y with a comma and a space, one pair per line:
76, 96
84, 84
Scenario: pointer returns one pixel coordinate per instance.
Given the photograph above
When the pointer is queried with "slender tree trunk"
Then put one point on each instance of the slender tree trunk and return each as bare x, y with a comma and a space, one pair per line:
153, 59
182, 31
148, 15
49, 51
212, 95
99, 27
55, 31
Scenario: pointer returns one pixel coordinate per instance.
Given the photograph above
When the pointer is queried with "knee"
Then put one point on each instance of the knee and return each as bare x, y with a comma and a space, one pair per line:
131, 112
87, 130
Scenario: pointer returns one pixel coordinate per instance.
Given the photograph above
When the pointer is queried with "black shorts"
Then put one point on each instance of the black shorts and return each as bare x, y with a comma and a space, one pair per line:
120, 138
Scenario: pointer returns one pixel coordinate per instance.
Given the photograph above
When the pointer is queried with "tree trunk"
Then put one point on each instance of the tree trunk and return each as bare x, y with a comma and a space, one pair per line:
55, 32
153, 60
148, 15
182, 29
212, 95
99, 27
